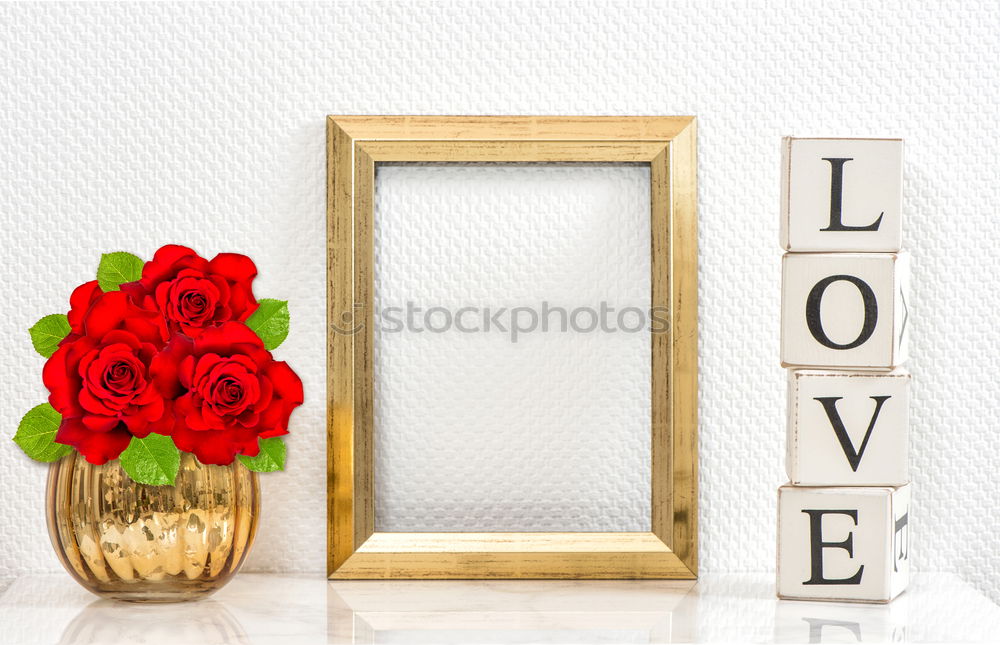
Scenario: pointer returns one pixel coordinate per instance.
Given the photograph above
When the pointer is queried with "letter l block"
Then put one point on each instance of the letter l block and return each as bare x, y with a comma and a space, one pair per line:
843, 544
841, 195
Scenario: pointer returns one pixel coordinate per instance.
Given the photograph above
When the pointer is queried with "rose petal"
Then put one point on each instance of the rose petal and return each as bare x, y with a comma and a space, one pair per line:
95, 405
97, 423
277, 431
80, 301
209, 447
165, 366
106, 314
164, 261
63, 384
220, 340
96, 447
287, 384
136, 292
195, 420
234, 266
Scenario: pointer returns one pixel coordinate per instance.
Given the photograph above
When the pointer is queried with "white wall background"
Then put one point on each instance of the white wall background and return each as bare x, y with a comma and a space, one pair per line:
125, 127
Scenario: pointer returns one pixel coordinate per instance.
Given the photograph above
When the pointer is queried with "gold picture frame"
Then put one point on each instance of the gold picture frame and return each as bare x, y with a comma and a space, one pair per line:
355, 144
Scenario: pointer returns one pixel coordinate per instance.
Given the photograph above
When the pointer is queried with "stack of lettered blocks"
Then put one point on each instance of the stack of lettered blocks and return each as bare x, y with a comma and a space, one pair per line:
843, 531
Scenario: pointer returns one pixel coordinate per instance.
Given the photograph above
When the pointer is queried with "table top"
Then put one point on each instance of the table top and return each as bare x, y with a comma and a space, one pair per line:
288, 609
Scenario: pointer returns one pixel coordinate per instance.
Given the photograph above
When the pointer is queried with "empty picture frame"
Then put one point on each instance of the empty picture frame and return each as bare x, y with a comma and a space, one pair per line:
357, 145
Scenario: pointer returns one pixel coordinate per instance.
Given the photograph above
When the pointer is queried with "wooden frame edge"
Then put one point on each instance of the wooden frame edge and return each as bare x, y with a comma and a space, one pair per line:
460, 556
355, 550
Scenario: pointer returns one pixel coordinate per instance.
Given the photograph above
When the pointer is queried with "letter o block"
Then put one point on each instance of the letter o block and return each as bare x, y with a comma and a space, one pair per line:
848, 544
844, 310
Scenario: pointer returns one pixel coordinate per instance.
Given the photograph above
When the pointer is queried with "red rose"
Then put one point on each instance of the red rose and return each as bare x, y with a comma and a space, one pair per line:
228, 390
99, 381
192, 293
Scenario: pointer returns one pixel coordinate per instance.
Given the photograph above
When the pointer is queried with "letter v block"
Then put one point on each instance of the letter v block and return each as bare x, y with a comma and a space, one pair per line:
849, 544
844, 310
841, 195
848, 428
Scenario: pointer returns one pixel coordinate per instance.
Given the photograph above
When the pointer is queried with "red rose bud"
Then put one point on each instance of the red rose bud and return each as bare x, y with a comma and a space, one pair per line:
193, 293
229, 392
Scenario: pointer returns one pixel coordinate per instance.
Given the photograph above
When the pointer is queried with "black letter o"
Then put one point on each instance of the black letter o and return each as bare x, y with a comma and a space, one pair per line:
816, 297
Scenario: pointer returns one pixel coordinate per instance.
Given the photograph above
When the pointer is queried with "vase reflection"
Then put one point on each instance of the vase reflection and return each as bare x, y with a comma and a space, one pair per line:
103, 622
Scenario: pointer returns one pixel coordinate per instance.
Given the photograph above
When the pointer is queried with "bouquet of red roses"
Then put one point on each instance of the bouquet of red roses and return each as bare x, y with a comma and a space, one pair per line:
162, 356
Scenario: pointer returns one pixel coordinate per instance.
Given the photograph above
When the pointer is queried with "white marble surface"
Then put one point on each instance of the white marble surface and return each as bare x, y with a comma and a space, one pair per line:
261, 608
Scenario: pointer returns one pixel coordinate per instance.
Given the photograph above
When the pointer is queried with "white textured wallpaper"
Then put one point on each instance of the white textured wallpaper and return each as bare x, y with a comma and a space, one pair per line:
504, 398
125, 127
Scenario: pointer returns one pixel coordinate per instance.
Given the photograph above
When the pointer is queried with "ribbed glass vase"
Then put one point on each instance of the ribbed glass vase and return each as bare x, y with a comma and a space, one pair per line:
130, 541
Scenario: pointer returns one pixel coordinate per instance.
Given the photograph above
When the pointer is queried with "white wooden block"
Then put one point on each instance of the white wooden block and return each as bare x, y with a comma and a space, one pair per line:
841, 194
848, 544
844, 310
848, 428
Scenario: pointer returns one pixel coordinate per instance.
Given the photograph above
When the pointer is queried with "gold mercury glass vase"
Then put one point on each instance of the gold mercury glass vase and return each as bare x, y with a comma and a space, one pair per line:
131, 541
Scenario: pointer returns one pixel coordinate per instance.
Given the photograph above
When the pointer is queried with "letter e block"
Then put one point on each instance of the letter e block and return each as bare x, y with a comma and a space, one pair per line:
844, 310
848, 428
841, 195
848, 544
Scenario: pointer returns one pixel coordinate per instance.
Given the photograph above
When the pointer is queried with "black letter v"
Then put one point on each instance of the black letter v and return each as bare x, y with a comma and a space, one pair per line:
830, 405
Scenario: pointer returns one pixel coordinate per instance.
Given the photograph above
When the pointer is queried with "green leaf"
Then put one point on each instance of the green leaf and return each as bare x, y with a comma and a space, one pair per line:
47, 332
118, 268
270, 458
36, 434
153, 460
270, 321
